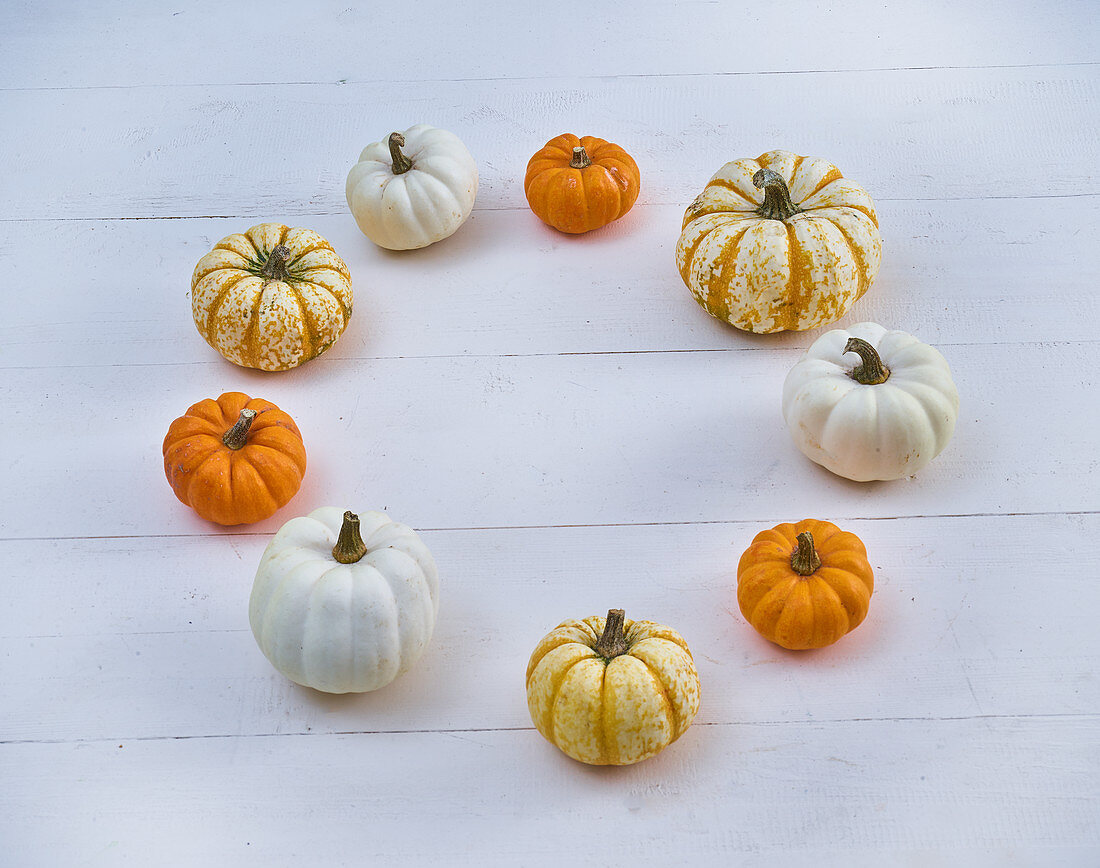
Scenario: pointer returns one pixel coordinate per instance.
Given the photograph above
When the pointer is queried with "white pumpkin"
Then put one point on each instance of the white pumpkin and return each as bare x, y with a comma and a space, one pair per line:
414, 189
867, 403
344, 603
779, 242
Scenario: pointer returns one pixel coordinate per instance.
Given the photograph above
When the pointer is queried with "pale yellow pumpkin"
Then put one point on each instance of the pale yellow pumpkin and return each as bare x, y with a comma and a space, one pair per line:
778, 243
271, 298
608, 691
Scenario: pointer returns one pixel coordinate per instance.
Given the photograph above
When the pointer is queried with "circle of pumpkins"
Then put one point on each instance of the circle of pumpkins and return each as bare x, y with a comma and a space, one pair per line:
346, 603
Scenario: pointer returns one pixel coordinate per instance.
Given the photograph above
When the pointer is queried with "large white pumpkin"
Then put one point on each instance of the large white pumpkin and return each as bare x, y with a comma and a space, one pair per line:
344, 603
867, 403
414, 189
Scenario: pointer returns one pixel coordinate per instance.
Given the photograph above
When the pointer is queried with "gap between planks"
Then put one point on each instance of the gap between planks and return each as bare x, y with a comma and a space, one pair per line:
722, 521
472, 730
544, 355
505, 208
744, 73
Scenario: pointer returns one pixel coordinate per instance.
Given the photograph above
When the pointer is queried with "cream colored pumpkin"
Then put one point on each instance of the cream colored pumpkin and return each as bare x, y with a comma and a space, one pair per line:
272, 297
414, 189
867, 403
608, 691
344, 603
778, 243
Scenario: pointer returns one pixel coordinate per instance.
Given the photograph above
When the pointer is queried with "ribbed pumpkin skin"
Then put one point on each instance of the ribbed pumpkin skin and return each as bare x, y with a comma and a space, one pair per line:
889, 430
580, 200
764, 275
344, 628
801, 612
267, 323
234, 486
617, 712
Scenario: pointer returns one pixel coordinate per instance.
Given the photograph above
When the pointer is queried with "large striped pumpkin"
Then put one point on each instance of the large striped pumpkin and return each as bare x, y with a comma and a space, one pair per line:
779, 243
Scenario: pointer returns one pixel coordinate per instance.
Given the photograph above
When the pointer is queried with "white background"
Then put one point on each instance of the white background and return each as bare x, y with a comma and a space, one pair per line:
566, 427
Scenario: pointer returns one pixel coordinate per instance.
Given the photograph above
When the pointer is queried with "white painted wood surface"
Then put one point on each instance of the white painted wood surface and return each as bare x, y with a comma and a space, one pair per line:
564, 424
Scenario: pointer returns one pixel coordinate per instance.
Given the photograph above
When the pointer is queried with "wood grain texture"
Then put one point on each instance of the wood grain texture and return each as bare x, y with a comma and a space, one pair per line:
57, 45
162, 649
971, 272
990, 792
276, 151
545, 440
566, 427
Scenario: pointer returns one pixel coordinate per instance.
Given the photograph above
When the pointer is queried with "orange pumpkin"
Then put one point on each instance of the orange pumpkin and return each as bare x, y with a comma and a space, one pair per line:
235, 460
804, 585
580, 184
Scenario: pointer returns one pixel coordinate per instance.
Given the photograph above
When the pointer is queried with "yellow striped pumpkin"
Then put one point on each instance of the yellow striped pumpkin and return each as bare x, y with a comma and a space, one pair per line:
271, 298
608, 691
779, 243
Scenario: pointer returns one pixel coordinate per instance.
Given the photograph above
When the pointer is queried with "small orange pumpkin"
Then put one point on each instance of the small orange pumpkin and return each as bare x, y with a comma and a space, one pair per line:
235, 460
804, 585
580, 184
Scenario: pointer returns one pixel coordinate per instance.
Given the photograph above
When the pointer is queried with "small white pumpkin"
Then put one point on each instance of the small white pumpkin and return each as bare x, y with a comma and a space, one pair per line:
867, 403
414, 189
343, 603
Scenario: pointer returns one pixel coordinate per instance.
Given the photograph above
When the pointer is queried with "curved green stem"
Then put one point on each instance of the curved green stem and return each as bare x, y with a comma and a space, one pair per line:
871, 371
349, 546
777, 197
805, 559
275, 267
401, 163
612, 641
237, 436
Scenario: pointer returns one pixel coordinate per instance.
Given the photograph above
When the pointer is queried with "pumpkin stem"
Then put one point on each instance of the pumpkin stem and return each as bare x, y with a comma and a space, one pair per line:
237, 436
612, 641
401, 163
275, 267
580, 158
777, 198
349, 546
805, 560
871, 371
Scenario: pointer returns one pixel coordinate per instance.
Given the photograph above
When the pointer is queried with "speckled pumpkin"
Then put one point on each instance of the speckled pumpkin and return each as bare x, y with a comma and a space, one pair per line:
779, 243
608, 691
272, 298
805, 585
234, 460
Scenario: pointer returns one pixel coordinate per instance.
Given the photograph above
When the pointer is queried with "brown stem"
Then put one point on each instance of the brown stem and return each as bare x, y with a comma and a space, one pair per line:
612, 641
401, 163
777, 198
580, 158
349, 546
805, 559
237, 436
871, 371
275, 267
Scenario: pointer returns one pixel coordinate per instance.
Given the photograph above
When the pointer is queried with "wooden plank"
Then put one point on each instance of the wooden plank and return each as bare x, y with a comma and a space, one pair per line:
954, 272
57, 45
161, 647
276, 151
544, 440
975, 792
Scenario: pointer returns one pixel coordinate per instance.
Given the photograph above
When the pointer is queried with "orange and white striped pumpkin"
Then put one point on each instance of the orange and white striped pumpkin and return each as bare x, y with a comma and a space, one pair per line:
271, 298
779, 243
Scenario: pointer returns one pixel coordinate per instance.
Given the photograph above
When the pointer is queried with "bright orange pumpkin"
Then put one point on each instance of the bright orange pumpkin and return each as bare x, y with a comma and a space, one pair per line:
235, 460
580, 184
804, 585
